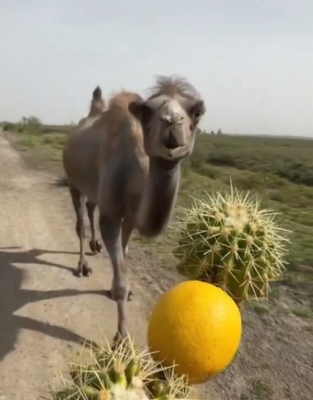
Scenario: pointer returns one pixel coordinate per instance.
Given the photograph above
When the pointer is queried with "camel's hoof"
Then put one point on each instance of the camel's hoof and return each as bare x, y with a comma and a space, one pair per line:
87, 270
83, 269
95, 246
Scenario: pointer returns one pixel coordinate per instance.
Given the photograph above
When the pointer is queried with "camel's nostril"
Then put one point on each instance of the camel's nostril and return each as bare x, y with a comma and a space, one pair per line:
171, 142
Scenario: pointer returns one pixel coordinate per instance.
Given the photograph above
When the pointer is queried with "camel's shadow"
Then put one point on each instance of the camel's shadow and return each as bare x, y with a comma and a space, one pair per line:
13, 297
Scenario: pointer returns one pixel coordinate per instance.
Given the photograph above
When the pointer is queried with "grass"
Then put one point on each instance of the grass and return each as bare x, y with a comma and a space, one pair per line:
48, 140
280, 171
49, 144
302, 312
259, 309
260, 390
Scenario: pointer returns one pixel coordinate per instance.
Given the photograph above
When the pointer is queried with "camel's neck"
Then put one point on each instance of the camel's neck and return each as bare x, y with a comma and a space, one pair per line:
158, 198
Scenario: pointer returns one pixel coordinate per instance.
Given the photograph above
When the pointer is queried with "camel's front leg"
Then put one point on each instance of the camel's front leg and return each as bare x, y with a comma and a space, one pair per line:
127, 228
111, 228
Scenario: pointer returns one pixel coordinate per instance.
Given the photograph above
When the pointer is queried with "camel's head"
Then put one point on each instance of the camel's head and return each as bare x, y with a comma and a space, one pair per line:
169, 119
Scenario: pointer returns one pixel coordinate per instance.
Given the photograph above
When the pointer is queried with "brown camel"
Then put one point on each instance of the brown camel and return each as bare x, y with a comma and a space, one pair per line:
128, 163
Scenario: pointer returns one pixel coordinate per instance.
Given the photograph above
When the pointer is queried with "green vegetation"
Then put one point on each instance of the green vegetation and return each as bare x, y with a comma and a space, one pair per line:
259, 308
280, 171
302, 312
48, 140
260, 390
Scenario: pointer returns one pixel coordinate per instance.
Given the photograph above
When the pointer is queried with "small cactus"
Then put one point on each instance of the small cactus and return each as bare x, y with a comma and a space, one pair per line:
227, 240
121, 373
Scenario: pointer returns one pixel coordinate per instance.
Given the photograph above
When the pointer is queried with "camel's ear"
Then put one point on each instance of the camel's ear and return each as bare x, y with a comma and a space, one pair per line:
196, 110
140, 110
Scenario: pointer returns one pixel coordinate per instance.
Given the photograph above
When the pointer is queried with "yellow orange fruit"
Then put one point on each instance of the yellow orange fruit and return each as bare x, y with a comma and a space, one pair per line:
197, 326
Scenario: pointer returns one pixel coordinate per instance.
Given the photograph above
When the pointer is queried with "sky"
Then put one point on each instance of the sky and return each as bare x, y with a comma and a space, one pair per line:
251, 60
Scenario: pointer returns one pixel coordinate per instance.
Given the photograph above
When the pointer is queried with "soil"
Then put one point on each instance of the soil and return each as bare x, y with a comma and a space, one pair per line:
45, 311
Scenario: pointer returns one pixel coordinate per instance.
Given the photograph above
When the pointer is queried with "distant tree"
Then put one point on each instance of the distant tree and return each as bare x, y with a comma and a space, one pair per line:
32, 120
212, 132
29, 124
219, 132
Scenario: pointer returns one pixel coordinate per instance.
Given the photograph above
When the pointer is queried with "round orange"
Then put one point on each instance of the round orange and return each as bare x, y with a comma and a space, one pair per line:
197, 326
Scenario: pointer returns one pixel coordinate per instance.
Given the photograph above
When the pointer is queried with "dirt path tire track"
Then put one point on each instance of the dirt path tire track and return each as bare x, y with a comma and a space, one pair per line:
43, 307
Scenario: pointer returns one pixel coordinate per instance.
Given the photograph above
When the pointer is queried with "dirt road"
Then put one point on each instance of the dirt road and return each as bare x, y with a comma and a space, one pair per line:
43, 307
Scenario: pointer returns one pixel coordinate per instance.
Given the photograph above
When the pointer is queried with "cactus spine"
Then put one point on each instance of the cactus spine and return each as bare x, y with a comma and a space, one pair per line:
121, 373
227, 240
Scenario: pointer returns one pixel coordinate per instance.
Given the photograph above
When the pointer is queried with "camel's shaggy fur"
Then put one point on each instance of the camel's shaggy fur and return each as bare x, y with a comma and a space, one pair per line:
127, 161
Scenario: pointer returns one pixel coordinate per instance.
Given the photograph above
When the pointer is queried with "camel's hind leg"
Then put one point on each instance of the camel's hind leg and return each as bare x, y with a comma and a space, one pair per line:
94, 244
78, 203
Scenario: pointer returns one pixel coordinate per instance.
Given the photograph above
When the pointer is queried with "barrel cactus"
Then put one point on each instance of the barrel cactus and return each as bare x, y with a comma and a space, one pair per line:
227, 240
122, 372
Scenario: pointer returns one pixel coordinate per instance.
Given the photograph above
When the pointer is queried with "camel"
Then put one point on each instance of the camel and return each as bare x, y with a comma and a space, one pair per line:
128, 163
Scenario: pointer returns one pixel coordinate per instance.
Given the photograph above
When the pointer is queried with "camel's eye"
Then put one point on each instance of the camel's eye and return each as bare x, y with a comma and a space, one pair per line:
166, 121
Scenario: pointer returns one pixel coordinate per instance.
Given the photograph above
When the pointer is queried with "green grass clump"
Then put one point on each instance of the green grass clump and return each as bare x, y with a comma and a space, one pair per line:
48, 140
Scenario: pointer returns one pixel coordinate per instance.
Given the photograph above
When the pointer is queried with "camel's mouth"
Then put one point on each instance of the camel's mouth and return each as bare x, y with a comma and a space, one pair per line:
166, 164
174, 154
